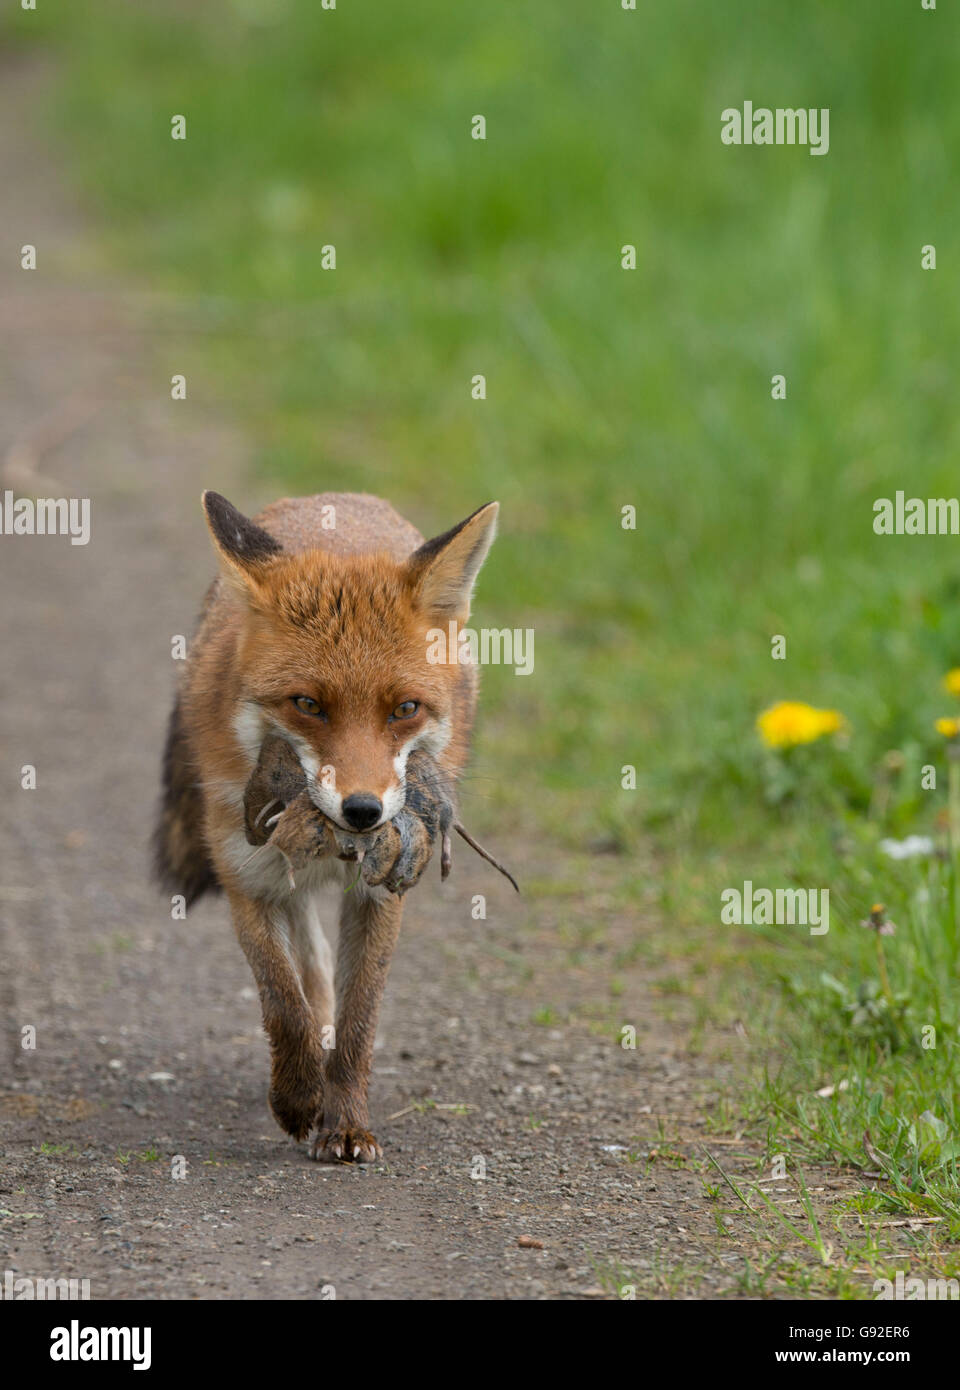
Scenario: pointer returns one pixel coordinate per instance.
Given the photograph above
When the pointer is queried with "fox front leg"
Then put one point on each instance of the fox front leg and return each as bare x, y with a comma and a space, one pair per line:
368, 934
297, 1005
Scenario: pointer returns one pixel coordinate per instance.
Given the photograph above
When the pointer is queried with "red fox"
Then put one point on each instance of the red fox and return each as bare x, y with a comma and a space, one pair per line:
316, 632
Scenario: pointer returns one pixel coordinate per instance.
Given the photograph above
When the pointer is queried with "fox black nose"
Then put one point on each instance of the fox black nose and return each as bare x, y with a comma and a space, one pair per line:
362, 810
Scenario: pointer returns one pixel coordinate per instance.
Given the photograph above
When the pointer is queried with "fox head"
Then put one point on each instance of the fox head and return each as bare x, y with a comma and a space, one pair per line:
334, 654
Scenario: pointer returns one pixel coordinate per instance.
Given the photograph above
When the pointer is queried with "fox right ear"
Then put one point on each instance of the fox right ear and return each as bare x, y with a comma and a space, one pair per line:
443, 570
243, 546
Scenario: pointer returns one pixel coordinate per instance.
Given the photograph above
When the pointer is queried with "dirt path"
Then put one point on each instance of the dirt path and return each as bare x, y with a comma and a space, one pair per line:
122, 996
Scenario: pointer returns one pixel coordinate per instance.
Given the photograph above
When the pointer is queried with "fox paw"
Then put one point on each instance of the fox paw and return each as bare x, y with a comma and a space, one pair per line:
296, 1112
345, 1145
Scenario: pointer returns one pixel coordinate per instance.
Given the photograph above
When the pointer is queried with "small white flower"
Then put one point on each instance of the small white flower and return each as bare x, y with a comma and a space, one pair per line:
908, 848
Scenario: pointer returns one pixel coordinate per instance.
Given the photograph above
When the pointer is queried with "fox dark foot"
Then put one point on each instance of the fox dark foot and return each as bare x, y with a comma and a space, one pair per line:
345, 1145
295, 1111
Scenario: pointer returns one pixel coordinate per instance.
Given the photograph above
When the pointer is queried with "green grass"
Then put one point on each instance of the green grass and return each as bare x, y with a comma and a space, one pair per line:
609, 388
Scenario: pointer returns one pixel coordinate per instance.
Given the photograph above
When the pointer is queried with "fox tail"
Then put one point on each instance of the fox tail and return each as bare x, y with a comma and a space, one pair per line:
181, 860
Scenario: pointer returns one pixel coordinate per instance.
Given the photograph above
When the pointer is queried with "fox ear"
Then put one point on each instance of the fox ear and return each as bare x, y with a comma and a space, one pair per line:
443, 570
243, 547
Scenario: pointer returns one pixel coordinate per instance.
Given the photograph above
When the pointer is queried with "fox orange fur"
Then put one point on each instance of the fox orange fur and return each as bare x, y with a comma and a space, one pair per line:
316, 630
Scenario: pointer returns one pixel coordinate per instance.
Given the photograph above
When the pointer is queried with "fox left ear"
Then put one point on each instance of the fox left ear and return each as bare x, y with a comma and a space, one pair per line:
443, 570
242, 545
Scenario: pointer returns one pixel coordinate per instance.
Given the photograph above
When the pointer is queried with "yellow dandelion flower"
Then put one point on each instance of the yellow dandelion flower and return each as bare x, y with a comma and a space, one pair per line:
951, 681
948, 727
790, 722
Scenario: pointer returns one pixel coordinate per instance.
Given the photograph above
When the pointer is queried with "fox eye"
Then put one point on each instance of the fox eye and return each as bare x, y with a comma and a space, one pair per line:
407, 710
305, 705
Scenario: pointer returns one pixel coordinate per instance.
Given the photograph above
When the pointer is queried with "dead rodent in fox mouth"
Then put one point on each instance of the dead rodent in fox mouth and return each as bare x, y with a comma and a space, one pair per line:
278, 810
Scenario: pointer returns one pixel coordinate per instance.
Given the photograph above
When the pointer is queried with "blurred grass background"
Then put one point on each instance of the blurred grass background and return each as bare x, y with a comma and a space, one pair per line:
606, 387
